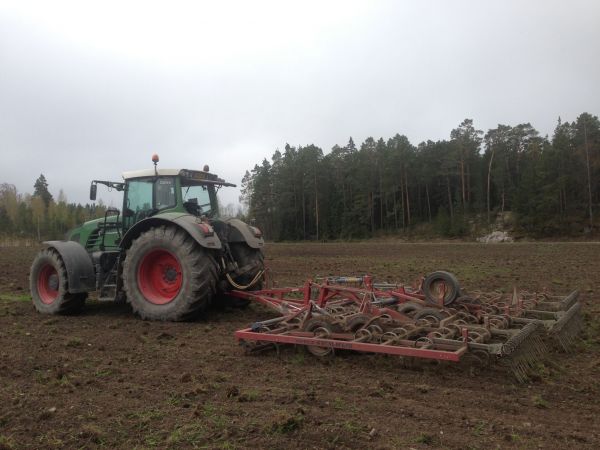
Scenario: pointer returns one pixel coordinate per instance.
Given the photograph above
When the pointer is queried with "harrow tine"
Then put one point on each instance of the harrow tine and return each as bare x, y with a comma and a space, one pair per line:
565, 304
569, 300
523, 350
566, 329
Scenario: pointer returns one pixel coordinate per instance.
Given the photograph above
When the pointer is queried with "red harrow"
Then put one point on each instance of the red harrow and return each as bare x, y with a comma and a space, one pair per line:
431, 320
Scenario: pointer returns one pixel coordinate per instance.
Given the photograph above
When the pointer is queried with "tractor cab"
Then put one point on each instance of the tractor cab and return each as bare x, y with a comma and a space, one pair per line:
152, 192
149, 192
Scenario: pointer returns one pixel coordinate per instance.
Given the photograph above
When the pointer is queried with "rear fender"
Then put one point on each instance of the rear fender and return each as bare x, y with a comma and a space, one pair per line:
187, 222
241, 232
78, 264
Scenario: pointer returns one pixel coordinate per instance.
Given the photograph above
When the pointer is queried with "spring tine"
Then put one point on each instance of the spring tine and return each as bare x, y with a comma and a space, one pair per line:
523, 350
567, 328
572, 313
569, 300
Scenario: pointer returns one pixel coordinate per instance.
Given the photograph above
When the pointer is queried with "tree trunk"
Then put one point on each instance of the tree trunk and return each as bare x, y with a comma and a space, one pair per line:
468, 185
371, 212
428, 202
407, 197
450, 199
380, 201
316, 204
489, 177
403, 204
395, 207
462, 181
303, 216
589, 180
419, 202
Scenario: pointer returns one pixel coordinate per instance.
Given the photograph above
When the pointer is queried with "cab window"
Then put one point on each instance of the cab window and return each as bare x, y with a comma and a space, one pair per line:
146, 196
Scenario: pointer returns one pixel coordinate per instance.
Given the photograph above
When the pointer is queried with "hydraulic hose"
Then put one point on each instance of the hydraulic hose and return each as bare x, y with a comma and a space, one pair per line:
249, 285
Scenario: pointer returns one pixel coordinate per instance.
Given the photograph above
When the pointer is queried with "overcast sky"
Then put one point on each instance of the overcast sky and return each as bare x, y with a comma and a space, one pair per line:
90, 89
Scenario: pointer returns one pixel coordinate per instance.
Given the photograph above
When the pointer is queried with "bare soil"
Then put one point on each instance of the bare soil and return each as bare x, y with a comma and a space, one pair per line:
106, 379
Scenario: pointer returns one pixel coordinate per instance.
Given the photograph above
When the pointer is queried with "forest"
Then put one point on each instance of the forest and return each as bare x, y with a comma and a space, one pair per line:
550, 186
40, 216
447, 188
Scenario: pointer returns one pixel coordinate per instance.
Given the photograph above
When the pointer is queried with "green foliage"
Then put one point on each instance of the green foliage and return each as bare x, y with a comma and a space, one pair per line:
39, 215
41, 190
391, 187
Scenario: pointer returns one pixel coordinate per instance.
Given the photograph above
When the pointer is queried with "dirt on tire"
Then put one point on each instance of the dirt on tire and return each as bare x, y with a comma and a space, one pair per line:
107, 379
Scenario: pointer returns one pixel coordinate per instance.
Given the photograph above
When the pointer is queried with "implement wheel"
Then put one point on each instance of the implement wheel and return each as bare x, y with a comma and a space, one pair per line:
49, 285
322, 329
168, 276
441, 285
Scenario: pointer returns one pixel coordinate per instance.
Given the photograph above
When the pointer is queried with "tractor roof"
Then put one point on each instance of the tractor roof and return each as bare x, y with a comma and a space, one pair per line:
191, 175
150, 173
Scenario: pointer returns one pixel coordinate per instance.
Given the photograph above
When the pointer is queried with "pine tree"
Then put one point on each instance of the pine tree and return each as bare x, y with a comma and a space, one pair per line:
41, 190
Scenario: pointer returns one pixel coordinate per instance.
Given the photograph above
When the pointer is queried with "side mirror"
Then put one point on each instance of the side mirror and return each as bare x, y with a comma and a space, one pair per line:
93, 189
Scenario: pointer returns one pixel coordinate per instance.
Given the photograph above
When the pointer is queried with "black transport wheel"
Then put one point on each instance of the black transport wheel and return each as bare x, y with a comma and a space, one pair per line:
440, 285
50, 287
168, 276
252, 260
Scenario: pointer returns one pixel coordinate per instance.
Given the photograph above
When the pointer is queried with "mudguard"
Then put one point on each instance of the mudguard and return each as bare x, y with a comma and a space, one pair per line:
78, 264
191, 224
242, 232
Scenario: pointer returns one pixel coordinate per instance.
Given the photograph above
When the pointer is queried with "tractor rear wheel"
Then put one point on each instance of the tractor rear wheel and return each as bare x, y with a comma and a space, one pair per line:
48, 283
168, 276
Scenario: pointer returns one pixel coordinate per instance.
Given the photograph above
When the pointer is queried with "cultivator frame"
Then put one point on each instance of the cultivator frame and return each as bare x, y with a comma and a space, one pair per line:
422, 321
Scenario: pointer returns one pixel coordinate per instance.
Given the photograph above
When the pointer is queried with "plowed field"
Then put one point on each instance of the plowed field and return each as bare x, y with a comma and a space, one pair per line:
106, 379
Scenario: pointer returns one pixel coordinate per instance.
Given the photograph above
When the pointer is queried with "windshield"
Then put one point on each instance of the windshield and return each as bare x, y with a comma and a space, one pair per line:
196, 200
146, 196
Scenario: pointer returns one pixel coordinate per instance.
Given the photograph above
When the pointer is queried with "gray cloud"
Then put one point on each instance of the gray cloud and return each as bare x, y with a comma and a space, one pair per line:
89, 93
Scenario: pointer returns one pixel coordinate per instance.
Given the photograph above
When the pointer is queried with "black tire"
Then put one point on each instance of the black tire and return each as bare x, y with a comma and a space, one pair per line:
357, 322
168, 276
245, 255
409, 308
49, 285
432, 282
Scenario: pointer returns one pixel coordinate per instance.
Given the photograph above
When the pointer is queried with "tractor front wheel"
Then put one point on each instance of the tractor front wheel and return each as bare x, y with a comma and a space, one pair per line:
168, 276
49, 285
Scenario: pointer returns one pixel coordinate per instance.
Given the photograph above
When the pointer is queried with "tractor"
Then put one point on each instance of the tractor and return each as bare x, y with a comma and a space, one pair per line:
168, 253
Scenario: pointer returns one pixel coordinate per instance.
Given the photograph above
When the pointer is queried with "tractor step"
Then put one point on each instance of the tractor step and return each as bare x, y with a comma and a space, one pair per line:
107, 293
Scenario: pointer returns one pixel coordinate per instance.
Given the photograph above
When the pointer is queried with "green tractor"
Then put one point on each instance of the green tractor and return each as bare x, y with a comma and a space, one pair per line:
168, 253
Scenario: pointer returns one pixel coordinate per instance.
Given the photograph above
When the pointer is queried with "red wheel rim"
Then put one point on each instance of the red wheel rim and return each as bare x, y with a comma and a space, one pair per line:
440, 290
47, 284
159, 276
